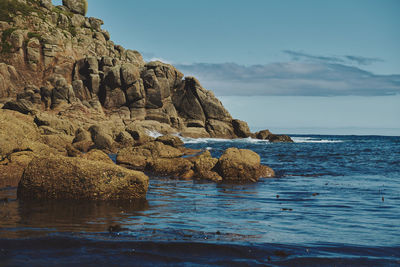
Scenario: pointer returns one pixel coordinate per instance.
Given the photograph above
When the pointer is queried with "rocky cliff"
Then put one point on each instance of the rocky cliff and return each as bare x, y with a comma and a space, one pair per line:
54, 58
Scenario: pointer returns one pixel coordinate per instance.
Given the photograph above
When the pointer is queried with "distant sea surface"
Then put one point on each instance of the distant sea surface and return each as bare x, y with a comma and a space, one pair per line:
335, 202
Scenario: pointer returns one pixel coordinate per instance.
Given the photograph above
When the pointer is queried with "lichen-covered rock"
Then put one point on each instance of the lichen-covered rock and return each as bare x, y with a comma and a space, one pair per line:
141, 156
239, 165
176, 167
77, 178
97, 155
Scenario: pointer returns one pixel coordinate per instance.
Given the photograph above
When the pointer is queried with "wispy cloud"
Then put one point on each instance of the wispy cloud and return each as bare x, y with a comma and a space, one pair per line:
363, 60
321, 77
347, 59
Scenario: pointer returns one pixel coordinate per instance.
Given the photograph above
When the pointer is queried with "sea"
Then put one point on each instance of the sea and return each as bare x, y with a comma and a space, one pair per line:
335, 201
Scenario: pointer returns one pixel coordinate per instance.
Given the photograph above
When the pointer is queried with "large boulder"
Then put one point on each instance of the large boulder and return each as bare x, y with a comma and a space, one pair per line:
77, 178
239, 165
76, 6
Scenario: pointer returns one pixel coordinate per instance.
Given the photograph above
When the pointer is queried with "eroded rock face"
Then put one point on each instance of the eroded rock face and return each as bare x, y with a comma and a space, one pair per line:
77, 178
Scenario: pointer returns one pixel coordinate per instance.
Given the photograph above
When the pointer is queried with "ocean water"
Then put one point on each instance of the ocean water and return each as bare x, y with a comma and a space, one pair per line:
335, 202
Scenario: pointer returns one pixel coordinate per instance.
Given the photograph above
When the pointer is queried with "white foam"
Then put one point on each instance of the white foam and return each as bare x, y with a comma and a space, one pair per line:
313, 140
153, 134
188, 140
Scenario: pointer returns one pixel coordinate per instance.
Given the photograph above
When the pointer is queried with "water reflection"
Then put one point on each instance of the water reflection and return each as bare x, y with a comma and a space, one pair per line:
27, 218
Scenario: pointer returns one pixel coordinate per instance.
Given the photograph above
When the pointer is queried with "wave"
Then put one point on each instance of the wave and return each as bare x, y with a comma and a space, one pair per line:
249, 140
188, 140
314, 140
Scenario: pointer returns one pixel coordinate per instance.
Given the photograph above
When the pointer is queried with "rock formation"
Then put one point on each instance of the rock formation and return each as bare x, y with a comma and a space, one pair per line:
69, 96
53, 57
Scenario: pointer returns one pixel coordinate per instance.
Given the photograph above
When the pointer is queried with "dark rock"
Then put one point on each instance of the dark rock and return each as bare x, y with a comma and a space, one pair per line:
62, 93
280, 138
134, 93
263, 135
241, 128
21, 105
267, 135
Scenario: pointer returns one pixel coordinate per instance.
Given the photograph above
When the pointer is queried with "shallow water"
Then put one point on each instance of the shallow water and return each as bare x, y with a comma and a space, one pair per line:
335, 201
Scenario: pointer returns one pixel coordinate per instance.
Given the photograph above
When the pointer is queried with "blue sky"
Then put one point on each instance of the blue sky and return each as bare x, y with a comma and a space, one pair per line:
291, 58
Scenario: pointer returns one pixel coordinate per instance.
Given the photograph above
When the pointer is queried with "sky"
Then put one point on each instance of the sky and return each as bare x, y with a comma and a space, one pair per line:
311, 66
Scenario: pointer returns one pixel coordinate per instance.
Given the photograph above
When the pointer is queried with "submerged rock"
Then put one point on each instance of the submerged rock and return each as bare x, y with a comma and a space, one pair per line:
77, 178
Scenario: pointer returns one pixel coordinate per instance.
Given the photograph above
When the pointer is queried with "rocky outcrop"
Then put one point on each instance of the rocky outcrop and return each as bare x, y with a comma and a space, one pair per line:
53, 57
67, 90
267, 135
77, 178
